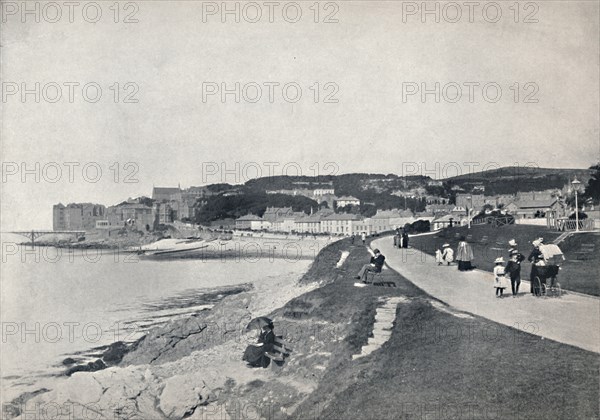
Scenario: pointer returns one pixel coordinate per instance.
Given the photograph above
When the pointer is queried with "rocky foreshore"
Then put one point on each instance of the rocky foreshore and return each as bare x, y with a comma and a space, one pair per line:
175, 369
356, 353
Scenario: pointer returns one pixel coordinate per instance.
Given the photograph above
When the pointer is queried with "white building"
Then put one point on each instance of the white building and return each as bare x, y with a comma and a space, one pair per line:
347, 200
339, 224
386, 220
322, 191
245, 222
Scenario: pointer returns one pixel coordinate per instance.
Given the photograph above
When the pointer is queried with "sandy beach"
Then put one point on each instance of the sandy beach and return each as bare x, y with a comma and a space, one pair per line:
202, 351
357, 352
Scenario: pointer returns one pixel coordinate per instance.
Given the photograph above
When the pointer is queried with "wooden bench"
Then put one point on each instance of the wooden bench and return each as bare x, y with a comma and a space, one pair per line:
585, 251
281, 350
373, 274
388, 283
377, 275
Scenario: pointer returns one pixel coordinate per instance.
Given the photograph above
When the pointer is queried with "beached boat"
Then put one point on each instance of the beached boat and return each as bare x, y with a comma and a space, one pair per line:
171, 246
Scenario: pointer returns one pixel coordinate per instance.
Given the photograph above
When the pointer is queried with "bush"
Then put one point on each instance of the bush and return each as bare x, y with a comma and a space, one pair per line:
581, 215
419, 226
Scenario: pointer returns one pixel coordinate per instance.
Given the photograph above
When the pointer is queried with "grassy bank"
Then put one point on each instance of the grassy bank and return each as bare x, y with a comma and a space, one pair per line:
579, 275
437, 364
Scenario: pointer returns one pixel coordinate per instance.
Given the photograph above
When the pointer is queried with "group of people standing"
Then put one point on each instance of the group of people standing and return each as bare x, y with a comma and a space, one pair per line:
464, 255
363, 238
506, 273
401, 238
512, 269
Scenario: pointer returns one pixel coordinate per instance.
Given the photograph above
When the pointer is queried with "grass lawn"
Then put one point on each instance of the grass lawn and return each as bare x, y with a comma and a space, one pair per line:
435, 365
581, 272
489, 243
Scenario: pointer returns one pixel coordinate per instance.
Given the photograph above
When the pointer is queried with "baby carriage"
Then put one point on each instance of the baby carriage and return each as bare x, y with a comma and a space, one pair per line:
546, 271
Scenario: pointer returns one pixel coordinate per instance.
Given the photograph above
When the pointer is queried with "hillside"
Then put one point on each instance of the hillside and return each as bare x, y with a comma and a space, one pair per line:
378, 191
512, 179
517, 172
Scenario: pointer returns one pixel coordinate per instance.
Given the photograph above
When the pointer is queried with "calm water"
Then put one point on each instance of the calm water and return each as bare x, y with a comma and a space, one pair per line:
55, 303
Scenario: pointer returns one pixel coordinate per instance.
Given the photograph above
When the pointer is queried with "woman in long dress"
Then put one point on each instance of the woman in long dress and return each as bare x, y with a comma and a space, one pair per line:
534, 258
464, 255
405, 239
256, 355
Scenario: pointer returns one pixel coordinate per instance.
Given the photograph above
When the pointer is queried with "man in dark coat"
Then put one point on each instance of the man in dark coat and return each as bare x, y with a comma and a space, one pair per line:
513, 268
405, 239
375, 265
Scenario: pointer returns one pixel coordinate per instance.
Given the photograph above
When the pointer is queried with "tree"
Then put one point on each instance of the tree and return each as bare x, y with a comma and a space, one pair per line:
592, 190
368, 210
146, 201
224, 207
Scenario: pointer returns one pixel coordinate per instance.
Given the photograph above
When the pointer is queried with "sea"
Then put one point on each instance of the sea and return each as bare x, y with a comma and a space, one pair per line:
57, 303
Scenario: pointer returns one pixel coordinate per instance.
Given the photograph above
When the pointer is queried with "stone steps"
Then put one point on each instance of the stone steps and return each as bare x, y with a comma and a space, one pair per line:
384, 323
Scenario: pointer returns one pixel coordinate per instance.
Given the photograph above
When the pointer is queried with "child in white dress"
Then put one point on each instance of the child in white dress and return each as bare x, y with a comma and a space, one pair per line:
499, 277
438, 257
448, 254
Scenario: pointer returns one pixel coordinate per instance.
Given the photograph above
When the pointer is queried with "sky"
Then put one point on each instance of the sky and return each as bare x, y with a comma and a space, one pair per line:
353, 74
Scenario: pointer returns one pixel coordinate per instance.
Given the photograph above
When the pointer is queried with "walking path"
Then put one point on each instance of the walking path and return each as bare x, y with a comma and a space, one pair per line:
572, 319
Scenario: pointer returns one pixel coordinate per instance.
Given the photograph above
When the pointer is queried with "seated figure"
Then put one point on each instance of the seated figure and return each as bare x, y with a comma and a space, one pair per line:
256, 356
375, 265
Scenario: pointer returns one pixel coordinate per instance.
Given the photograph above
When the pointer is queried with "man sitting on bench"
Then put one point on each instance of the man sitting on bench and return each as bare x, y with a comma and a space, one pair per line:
374, 266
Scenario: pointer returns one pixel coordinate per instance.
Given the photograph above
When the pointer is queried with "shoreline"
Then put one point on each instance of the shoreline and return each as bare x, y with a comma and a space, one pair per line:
117, 361
193, 369
245, 247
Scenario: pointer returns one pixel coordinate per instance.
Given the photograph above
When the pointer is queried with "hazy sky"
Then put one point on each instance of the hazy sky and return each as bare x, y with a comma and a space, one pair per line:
373, 54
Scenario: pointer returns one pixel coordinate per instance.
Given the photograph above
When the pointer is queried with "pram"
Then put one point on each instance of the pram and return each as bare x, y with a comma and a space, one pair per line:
547, 269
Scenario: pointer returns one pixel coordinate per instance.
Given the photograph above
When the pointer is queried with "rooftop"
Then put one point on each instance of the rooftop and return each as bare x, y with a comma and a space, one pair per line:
249, 217
528, 204
343, 216
165, 190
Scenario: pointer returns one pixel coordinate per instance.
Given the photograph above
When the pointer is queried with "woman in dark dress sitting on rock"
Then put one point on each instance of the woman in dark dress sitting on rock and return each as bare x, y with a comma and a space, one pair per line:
256, 355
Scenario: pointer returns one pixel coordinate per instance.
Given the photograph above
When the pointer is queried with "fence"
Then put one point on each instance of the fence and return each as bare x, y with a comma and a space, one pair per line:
569, 224
496, 221
534, 222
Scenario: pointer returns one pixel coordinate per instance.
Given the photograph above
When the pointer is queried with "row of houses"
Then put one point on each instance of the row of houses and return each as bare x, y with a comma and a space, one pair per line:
527, 205
326, 221
168, 204
77, 216
88, 216
307, 192
321, 195
174, 203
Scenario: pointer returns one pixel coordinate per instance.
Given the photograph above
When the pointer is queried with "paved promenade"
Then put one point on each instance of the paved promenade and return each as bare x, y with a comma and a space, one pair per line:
572, 319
